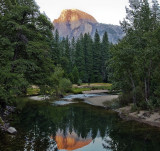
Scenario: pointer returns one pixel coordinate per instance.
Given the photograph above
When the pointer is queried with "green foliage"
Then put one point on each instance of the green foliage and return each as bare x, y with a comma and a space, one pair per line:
75, 74
79, 82
25, 47
33, 91
79, 90
85, 55
104, 56
29, 52
65, 85
57, 83
101, 87
97, 59
71, 78
135, 60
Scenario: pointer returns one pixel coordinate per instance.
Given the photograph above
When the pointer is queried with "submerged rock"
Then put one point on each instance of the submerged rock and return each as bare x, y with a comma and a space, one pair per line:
11, 130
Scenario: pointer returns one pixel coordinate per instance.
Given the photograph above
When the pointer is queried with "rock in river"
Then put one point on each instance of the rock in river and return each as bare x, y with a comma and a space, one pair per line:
11, 130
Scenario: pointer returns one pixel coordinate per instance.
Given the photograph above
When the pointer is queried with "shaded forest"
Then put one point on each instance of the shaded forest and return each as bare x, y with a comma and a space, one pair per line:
83, 59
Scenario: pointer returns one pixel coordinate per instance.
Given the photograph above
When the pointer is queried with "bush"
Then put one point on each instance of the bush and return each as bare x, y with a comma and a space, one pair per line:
65, 85
79, 82
125, 99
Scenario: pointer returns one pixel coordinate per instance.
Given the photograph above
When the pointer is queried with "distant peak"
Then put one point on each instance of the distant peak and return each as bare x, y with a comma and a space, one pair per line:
70, 15
64, 10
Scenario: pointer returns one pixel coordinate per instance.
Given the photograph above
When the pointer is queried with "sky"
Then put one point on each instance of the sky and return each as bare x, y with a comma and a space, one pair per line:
104, 11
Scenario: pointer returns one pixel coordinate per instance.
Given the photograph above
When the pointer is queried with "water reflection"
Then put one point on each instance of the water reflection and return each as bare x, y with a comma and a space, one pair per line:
71, 141
80, 127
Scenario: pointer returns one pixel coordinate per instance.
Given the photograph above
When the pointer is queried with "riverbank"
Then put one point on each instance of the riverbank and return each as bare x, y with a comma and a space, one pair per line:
5, 120
148, 117
100, 100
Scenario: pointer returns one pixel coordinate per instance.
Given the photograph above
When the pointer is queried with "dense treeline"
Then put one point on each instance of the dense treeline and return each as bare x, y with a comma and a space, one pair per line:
30, 54
26, 47
135, 62
83, 59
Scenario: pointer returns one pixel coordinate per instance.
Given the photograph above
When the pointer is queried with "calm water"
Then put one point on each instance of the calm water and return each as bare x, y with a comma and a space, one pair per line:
79, 126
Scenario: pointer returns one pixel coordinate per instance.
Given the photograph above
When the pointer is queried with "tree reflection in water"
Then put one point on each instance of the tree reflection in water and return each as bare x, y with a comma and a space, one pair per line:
43, 127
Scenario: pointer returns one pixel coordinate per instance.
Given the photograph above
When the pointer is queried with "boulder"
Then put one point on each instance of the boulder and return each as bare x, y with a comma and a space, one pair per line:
11, 130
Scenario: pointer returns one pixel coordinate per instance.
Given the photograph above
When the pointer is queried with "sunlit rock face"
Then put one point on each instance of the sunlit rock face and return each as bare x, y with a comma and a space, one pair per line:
71, 141
73, 22
73, 15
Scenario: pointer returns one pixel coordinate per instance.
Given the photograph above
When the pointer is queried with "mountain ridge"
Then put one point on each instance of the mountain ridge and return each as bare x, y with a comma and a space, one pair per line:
73, 22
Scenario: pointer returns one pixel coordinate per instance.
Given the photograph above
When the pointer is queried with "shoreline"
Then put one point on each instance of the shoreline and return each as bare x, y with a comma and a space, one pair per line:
100, 100
147, 117
151, 118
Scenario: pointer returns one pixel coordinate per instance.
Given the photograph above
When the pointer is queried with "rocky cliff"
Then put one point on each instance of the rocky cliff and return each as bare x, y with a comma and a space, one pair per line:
73, 22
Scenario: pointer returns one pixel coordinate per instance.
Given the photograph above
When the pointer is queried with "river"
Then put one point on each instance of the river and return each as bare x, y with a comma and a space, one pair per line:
79, 126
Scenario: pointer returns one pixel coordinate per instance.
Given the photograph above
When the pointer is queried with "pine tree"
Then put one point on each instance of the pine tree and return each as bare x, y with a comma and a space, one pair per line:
75, 75
79, 58
88, 56
56, 49
104, 56
73, 50
97, 58
68, 55
25, 47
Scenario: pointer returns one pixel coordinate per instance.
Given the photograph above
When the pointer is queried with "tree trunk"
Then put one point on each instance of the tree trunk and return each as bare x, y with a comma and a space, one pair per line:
133, 87
147, 82
145, 90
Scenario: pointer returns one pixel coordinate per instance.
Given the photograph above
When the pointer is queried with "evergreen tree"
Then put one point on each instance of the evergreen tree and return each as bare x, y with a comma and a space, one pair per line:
88, 57
97, 58
73, 50
68, 55
75, 74
79, 58
25, 47
56, 49
104, 56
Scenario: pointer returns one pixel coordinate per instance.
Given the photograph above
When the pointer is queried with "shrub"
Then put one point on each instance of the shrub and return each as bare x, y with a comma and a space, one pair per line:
65, 85
79, 82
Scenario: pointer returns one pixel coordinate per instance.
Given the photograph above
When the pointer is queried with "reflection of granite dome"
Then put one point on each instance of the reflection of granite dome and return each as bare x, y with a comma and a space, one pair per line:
71, 141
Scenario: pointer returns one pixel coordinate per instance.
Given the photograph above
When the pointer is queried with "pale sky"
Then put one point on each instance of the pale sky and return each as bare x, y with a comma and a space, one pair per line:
104, 11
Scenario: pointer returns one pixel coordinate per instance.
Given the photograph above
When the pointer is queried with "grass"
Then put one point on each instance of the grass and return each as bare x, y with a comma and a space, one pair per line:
101, 88
93, 84
75, 88
33, 91
79, 90
88, 87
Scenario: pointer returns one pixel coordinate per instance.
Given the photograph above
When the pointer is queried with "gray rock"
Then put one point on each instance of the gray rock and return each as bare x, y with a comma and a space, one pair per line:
72, 23
11, 130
